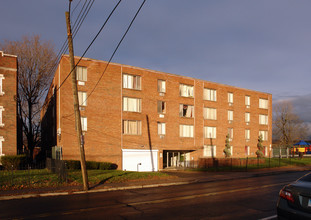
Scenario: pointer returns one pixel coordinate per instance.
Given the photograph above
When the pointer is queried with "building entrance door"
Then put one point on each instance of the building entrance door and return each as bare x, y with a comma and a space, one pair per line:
176, 159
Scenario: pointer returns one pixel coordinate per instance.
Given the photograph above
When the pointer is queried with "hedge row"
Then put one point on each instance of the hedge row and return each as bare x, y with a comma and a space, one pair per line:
14, 162
90, 165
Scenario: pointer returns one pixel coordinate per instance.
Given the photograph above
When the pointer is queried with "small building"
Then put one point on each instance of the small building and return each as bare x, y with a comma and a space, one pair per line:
8, 105
146, 120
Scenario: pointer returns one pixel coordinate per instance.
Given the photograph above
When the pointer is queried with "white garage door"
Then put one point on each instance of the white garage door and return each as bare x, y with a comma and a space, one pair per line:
139, 160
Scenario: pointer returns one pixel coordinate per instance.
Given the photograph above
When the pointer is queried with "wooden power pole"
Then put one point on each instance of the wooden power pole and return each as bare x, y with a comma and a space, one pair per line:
76, 104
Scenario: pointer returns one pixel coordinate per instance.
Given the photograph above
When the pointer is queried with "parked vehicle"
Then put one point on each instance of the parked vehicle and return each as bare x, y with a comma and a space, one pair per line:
295, 199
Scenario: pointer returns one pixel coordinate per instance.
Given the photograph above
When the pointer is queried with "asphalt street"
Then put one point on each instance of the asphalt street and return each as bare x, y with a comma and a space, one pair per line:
247, 198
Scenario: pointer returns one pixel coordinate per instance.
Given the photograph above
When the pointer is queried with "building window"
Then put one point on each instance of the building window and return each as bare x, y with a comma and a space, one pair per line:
247, 134
231, 150
209, 151
210, 94
161, 128
82, 98
247, 117
247, 150
185, 90
264, 135
209, 132
84, 123
263, 103
263, 119
186, 111
1, 84
1, 148
131, 82
230, 98
210, 113
230, 116
161, 86
131, 104
230, 133
161, 107
81, 73
247, 101
1, 116
131, 127
186, 130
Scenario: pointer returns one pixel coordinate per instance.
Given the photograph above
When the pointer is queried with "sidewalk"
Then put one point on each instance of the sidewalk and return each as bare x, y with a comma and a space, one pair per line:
176, 177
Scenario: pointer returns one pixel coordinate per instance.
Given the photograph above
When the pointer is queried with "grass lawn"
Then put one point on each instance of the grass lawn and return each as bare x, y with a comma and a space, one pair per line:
20, 179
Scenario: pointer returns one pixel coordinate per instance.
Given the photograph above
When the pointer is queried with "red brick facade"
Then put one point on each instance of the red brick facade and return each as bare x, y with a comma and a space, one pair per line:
104, 138
8, 107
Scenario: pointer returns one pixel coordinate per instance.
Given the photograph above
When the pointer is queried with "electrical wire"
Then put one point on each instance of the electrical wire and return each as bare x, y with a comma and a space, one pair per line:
102, 27
114, 52
65, 45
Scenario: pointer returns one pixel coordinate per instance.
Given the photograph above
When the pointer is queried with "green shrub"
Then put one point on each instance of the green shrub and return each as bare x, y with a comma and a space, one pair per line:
108, 166
92, 165
13, 161
73, 164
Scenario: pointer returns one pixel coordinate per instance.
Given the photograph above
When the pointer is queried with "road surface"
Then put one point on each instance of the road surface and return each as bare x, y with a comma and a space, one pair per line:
251, 198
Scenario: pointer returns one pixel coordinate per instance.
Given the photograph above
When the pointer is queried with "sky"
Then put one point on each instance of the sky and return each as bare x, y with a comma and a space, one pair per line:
262, 45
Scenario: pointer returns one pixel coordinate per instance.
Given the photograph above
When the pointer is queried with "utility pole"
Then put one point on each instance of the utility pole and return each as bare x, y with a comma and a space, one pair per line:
76, 105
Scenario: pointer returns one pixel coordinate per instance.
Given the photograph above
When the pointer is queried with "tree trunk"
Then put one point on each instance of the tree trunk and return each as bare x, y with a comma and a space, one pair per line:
30, 133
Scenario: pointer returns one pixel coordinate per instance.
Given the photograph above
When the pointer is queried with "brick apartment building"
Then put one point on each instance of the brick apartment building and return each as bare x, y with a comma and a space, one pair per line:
8, 106
143, 119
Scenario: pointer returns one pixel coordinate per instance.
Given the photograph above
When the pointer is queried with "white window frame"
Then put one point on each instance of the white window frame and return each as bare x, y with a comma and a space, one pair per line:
247, 134
161, 86
247, 101
263, 119
186, 131
247, 150
230, 115
1, 116
127, 130
186, 90
131, 81
1, 84
189, 112
247, 117
161, 128
210, 132
264, 135
81, 73
131, 104
230, 97
84, 123
230, 133
209, 151
210, 94
210, 113
1, 146
161, 107
231, 150
263, 103
82, 97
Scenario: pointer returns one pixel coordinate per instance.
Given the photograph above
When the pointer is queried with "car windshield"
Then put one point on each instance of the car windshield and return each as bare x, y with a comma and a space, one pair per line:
306, 178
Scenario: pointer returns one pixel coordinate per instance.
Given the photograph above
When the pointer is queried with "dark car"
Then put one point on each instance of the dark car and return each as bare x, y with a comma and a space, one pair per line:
295, 199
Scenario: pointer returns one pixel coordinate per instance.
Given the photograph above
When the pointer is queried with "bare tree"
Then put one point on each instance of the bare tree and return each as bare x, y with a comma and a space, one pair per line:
35, 62
287, 127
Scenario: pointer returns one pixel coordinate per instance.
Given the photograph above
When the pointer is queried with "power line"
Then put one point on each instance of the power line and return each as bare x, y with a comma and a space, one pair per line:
76, 7
115, 50
85, 13
85, 50
91, 42
65, 46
